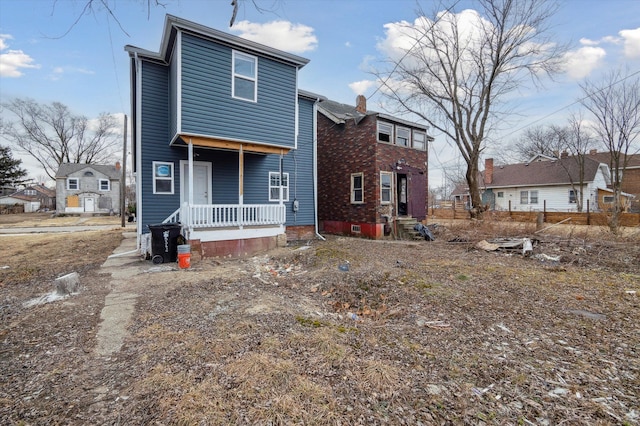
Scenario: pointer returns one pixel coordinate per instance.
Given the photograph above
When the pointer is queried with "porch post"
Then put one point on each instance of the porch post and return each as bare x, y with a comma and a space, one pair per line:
190, 150
240, 176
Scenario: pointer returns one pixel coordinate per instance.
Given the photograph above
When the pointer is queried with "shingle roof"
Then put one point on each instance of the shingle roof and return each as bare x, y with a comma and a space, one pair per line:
66, 169
605, 157
537, 173
339, 112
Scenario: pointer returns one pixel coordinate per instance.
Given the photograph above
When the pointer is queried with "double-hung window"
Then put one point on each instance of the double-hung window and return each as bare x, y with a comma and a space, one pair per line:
73, 184
524, 197
403, 136
245, 76
104, 185
274, 186
533, 197
572, 196
385, 132
162, 177
357, 188
419, 140
385, 187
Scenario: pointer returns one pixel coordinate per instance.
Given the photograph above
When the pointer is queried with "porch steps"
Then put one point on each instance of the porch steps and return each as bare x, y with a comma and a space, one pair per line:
405, 228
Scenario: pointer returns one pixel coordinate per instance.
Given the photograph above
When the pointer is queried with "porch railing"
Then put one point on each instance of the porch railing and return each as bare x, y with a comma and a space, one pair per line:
225, 215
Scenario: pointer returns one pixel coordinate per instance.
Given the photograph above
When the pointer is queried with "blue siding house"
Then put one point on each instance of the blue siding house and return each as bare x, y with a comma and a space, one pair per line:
224, 142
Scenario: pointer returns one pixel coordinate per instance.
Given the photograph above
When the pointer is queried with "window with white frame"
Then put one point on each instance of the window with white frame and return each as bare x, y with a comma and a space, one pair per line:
572, 196
162, 177
385, 132
500, 194
385, 187
607, 199
357, 188
274, 186
419, 140
73, 184
524, 197
533, 197
403, 136
245, 76
104, 185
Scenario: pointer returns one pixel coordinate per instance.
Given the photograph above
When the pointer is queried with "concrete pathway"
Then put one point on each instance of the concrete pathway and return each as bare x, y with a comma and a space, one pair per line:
123, 265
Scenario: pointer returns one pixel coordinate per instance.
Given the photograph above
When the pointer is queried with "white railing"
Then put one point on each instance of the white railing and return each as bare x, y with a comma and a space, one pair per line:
174, 218
225, 215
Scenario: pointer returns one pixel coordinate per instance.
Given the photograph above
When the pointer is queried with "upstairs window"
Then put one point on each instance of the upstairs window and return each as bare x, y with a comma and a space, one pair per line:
245, 77
357, 188
274, 186
403, 136
73, 184
385, 131
104, 185
419, 140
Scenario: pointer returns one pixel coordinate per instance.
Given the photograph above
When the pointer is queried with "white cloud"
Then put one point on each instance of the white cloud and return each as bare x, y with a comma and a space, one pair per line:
631, 43
347, 44
58, 72
579, 63
13, 61
283, 35
360, 87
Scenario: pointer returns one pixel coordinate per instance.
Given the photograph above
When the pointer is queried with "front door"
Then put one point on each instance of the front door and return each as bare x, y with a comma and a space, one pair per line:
402, 195
201, 182
418, 195
89, 205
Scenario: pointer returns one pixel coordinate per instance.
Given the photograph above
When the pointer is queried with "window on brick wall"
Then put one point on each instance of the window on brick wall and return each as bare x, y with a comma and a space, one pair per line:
385, 187
419, 140
357, 188
385, 132
403, 136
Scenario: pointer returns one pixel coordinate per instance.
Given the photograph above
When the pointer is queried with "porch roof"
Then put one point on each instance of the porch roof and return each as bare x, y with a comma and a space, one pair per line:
230, 145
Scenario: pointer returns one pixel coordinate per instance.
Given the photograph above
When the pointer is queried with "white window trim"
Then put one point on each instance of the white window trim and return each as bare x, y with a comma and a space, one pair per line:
408, 132
537, 198
423, 142
285, 188
382, 201
100, 182
253, 79
353, 201
156, 178
526, 201
575, 196
610, 199
77, 181
384, 124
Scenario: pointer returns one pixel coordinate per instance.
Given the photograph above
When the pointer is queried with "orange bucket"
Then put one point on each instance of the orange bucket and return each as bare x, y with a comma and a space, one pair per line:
184, 256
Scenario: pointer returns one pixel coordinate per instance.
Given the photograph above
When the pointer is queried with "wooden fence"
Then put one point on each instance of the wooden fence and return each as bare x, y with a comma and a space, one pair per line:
585, 218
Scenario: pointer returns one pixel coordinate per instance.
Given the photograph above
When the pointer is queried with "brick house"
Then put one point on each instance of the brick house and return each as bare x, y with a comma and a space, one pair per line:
372, 170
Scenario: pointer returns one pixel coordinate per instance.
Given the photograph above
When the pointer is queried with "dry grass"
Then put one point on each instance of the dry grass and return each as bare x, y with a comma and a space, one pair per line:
444, 333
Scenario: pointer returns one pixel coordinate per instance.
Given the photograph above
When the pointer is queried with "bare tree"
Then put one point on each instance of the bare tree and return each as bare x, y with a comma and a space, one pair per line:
614, 104
545, 140
460, 66
573, 144
53, 135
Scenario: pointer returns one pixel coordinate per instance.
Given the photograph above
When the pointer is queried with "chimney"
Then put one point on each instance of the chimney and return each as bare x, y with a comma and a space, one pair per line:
593, 152
361, 104
117, 166
488, 171
564, 154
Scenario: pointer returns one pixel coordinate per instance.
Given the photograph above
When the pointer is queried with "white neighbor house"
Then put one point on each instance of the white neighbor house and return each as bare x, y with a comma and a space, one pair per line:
88, 188
543, 182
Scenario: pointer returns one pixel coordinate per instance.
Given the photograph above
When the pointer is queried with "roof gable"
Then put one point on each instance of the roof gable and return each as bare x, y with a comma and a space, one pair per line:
548, 172
67, 169
340, 113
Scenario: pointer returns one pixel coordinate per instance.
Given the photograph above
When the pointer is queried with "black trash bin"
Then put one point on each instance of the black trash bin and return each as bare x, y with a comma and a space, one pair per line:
164, 242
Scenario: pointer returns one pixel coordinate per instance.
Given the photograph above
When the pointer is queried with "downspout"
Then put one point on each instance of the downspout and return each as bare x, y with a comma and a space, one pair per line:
315, 168
138, 138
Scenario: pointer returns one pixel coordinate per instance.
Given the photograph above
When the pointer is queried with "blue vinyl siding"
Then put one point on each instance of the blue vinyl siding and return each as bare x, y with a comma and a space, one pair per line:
208, 107
155, 144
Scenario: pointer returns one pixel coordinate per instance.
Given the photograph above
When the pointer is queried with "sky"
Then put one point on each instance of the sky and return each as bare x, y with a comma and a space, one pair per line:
57, 51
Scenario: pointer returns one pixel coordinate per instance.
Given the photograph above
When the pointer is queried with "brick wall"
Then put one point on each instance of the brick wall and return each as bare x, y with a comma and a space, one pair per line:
348, 148
631, 185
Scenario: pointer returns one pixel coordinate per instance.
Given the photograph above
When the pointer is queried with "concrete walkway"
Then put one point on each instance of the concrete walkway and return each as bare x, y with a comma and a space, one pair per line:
119, 304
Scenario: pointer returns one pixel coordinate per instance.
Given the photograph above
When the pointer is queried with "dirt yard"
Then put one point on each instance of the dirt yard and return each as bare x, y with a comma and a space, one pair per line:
337, 332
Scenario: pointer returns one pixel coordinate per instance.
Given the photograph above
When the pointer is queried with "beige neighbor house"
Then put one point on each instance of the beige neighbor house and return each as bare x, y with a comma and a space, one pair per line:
88, 188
